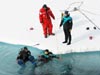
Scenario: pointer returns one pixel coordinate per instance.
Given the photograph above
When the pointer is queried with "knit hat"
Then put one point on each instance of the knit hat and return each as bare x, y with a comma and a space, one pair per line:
25, 47
44, 6
66, 12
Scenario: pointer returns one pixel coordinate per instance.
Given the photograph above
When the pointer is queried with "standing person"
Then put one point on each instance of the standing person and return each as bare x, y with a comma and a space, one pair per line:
45, 15
67, 27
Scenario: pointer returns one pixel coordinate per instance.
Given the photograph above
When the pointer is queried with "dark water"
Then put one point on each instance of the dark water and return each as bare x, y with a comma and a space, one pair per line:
87, 63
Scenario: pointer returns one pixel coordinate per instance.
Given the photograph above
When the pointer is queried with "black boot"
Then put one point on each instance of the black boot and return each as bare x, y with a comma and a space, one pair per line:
45, 36
68, 43
52, 34
64, 42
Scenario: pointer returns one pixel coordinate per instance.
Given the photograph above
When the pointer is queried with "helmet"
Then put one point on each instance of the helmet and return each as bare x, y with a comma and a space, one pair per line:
25, 47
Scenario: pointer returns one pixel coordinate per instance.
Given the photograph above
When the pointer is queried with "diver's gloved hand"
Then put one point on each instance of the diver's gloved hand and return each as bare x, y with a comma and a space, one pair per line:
58, 58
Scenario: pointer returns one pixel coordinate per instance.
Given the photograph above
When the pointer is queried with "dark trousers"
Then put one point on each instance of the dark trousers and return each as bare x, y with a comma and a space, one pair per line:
67, 34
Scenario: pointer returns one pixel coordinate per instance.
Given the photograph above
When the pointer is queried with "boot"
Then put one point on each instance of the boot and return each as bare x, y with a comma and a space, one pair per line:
64, 42
68, 43
52, 34
45, 36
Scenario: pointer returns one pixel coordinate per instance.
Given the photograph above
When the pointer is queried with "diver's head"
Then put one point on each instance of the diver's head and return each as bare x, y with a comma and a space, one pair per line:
46, 51
25, 48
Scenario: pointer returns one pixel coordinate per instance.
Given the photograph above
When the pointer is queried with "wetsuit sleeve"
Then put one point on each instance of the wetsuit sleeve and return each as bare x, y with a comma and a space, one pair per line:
52, 55
55, 56
61, 22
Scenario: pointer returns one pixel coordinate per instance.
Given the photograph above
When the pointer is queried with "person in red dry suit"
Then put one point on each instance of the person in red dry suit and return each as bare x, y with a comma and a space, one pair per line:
45, 15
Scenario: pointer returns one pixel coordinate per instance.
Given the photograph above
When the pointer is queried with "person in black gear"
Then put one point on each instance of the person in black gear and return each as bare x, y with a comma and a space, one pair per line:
67, 27
24, 56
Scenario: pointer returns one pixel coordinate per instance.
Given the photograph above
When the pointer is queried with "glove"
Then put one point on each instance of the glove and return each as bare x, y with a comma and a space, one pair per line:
70, 30
54, 18
59, 26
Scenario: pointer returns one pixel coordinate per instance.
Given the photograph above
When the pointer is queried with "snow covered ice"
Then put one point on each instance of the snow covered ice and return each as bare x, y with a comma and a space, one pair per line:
18, 16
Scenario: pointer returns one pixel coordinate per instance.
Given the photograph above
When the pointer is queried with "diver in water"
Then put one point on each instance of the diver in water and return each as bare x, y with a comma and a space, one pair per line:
46, 56
24, 56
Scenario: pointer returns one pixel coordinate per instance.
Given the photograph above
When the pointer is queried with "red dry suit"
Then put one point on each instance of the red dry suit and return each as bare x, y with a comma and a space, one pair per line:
45, 19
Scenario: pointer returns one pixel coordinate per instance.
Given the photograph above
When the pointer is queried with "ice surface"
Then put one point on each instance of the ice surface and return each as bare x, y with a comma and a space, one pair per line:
69, 64
17, 17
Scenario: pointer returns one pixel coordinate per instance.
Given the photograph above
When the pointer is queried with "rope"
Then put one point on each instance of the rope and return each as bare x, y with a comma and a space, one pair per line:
81, 3
71, 5
88, 19
90, 12
78, 9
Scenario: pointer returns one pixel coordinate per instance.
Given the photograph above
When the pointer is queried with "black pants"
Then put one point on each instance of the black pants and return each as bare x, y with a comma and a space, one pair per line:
67, 34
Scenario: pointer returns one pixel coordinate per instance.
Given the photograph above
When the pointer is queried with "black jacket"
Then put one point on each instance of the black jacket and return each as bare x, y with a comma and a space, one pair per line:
66, 22
24, 55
